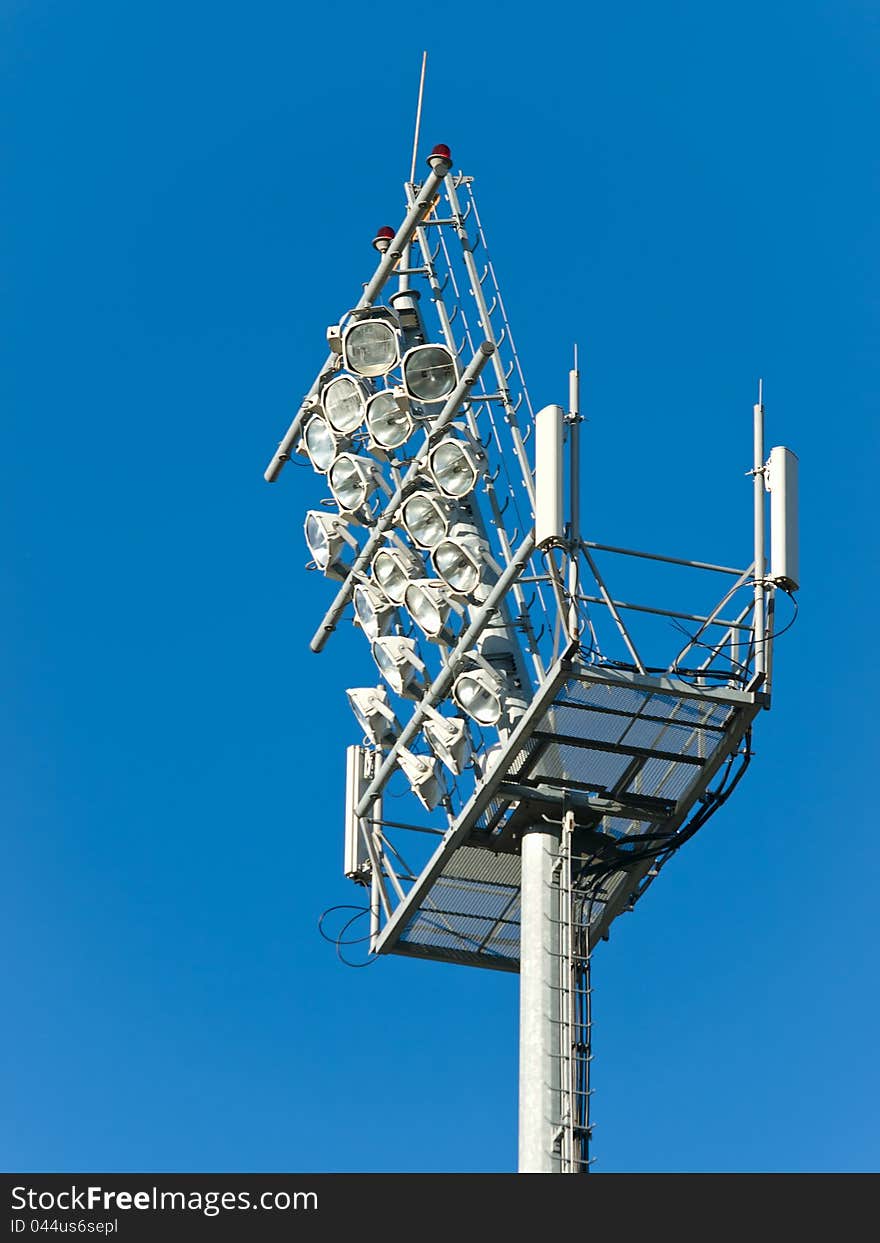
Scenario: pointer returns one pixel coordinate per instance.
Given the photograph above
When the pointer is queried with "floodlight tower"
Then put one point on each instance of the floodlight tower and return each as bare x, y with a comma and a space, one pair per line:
556, 750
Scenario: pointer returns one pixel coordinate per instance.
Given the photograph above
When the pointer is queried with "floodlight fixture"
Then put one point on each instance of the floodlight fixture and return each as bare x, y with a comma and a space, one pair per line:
323, 444
428, 603
425, 777
400, 665
373, 611
429, 373
460, 557
327, 536
352, 481
344, 401
448, 738
371, 343
455, 466
375, 715
488, 696
394, 569
389, 426
480, 693
425, 517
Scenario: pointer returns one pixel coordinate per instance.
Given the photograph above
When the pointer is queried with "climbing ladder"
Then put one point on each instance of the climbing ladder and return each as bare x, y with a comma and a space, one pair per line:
575, 1020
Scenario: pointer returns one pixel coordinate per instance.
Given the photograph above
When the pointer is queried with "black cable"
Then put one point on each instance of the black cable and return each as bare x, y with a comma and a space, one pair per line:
338, 939
774, 634
607, 662
712, 802
346, 962
693, 641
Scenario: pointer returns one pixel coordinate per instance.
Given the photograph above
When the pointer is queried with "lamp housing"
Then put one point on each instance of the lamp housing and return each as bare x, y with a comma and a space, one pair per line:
344, 402
373, 611
400, 665
424, 776
479, 692
393, 569
489, 696
428, 604
327, 536
371, 342
322, 443
425, 517
455, 465
353, 479
389, 425
429, 373
459, 558
374, 714
448, 738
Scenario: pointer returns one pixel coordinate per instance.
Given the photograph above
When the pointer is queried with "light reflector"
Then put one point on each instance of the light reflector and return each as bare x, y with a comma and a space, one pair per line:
429, 606
459, 559
393, 571
374, 714
327, 536
352, 479
448, 738
323, 443
425, 517
388, 425
400, 665
455, 467
370, 347
424, 776
373, 612
428, 373
345, 402
479, 693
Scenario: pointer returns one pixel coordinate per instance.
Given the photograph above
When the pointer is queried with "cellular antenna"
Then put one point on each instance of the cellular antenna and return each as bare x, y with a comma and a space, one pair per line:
415, 151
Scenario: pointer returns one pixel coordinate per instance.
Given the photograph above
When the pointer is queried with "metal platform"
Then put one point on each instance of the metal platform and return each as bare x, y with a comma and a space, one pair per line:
628, 754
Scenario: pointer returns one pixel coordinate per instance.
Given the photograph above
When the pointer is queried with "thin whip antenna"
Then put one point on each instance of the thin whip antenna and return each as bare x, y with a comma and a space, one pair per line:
412, 175
760, 392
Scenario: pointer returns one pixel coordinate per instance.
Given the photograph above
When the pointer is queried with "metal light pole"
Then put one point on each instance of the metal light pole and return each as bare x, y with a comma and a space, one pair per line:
540, 988
547, 779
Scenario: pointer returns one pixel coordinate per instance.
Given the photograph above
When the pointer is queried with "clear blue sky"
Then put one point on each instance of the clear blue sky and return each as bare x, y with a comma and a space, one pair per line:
189, 194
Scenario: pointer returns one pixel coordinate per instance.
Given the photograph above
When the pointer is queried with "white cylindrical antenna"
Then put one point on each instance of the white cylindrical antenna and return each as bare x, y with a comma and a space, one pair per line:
356, 863
782, 484
574, 491
549, 481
